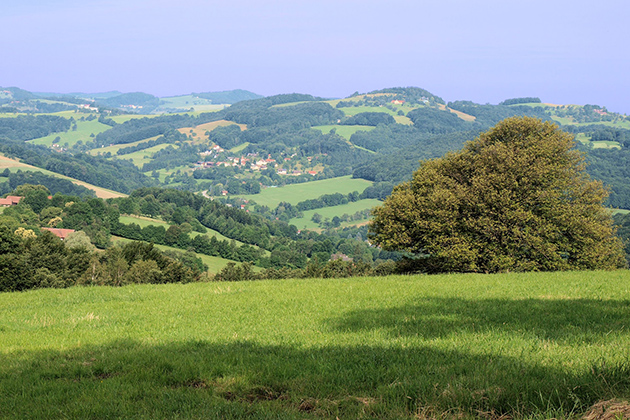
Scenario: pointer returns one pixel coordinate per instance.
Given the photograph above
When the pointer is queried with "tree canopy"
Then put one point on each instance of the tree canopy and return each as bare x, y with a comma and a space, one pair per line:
516, 198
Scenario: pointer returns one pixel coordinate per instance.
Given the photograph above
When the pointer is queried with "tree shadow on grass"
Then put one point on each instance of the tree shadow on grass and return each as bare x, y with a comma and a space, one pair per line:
238, 380
565, 321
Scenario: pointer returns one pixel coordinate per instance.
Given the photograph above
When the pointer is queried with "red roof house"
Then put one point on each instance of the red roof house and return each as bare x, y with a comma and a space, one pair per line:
61, 233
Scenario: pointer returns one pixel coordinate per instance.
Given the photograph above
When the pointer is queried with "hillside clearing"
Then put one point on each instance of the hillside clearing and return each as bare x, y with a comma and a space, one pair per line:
294, 193
536, 345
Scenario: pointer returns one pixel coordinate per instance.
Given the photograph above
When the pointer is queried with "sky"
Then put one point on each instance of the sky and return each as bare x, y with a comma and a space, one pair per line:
565, 52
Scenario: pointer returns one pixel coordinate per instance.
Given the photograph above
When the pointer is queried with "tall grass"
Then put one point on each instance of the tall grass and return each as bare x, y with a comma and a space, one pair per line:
526, 345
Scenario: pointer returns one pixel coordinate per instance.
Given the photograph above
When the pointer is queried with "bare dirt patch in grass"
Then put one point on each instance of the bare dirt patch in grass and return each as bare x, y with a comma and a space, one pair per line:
609, 410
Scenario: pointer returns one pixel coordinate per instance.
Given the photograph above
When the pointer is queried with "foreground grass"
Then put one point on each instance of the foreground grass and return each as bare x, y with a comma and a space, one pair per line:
528, 345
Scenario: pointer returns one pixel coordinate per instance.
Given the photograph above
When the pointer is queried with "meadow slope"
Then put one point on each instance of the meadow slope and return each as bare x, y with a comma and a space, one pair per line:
534, 345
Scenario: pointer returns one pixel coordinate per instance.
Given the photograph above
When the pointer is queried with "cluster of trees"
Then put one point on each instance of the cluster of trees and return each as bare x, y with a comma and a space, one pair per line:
117, 175
171, 136
52, 183
525, 100
28, 127
28, 261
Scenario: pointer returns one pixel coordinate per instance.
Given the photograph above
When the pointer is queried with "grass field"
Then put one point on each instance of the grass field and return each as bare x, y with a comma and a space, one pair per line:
344, 131
115, 148
539, 345
83, 132
141, 157
14, 166
330, 212
299, 192
198, 133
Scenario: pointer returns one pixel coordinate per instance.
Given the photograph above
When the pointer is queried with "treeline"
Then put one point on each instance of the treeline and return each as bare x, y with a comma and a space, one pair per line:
488, 115
171, 136
398, 165
115, 174
54, 184
28, 127
525, 100
29, 261
369, 118
142, 128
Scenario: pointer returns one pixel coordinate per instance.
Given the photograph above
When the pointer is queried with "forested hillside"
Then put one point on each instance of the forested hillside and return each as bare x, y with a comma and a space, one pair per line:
233, 165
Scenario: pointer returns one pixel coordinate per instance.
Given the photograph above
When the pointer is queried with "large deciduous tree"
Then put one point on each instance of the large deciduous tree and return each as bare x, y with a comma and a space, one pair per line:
516, 198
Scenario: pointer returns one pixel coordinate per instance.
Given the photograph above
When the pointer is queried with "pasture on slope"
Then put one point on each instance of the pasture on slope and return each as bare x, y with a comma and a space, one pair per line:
535, 345
294, 193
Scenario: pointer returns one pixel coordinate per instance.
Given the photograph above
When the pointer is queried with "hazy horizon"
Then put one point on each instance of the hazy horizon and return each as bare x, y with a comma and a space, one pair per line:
569, 52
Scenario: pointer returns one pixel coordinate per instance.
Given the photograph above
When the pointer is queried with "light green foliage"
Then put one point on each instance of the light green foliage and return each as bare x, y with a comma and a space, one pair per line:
83, 131
536, 345
516, 198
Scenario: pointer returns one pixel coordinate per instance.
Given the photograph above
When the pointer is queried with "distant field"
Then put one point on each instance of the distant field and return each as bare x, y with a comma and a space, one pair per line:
186, 102
299, 192
569, 121
83, 132
239, 148
14, 166
141, 157
199, 132
115, 148
354, 110
330, 212
215, 264
584, 139
461, 346
122, 118
344, 131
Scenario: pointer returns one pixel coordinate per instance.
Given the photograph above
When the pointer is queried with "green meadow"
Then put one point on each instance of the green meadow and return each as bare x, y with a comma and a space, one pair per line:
537, 345
115, 148
330, 212
83, 132
344, 131
295, 193
141, 157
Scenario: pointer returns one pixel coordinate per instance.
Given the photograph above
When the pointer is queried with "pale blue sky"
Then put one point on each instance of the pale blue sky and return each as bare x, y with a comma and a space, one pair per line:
479, 50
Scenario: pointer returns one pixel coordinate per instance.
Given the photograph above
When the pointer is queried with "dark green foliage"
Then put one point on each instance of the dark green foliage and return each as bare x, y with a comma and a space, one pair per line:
488, 115
226, 137
526, 100
117, 175
171, 136
413, 95
54, 184
145, 100
370, 118
142, 128
515, 199
398, 167
612, 167
28, 127
434, 121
